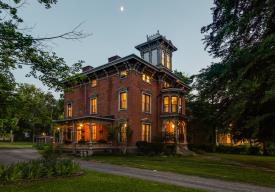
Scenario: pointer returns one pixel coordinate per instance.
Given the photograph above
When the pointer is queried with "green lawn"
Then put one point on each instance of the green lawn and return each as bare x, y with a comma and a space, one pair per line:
258, 170
95, 182
15, 145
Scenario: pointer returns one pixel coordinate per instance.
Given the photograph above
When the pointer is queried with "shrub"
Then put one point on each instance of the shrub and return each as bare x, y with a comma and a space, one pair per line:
37, 169
201, 147
146, 148
254, 150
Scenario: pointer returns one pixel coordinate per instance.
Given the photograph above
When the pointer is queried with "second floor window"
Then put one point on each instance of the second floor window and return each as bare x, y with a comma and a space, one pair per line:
93, 82
69, 110
146, 103
93, 103
123, 100
166, 104
123, 74
174, 104
146, 78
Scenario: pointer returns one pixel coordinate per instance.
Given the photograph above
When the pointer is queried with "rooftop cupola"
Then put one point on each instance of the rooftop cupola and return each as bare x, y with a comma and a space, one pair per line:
157, 50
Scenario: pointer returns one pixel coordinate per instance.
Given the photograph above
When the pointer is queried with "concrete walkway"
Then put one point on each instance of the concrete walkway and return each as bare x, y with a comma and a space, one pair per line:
173, 178
8, 156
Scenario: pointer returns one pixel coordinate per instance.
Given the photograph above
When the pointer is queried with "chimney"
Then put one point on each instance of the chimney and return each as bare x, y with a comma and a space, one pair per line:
113, 58
86, 68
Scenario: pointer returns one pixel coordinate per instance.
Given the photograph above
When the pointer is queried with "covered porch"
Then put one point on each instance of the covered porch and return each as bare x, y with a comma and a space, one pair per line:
84, 133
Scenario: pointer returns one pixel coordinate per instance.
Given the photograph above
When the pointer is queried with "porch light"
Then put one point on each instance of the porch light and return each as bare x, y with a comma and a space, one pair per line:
58, 128
81, 125
173, 125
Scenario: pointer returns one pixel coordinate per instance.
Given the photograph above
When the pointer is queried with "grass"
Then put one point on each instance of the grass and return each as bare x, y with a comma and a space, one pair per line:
15, 145
95, 182
259, 170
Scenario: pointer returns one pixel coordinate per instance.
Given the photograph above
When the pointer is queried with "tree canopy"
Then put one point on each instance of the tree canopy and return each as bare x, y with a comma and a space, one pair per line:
241, 87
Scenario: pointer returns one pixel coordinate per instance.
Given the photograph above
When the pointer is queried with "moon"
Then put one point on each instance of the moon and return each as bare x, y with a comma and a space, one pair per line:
121, 8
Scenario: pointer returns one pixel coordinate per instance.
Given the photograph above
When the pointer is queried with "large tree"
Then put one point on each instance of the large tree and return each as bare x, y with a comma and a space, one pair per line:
242, 88
19, 49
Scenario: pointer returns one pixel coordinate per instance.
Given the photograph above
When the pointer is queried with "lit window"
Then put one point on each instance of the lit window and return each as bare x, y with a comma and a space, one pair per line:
93, 131
166, 104
93, 83
174, 104
166, 84
146, 78
123, 133
162, 57
123, 74
69, 110
146, 132
93, 104
168, 60
123, 100
146, 103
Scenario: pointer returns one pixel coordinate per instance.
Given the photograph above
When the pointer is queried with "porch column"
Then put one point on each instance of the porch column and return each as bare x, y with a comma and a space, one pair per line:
185, 134
176, 131
91, 131
73, 133
61, 135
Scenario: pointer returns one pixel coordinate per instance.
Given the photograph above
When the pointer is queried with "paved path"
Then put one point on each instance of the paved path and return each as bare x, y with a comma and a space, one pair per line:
173, 178
8, 156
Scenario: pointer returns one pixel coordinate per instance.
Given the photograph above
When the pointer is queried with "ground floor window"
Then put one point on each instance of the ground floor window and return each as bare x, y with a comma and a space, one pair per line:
93, 131
146, 132
123, 133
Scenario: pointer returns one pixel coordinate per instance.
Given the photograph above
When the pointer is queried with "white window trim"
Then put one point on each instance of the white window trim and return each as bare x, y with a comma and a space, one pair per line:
169, 103
93, 97
119, 107
150, 131
150, 110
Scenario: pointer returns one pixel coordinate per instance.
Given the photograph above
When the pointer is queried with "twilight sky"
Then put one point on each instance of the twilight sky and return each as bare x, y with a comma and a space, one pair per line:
115, 32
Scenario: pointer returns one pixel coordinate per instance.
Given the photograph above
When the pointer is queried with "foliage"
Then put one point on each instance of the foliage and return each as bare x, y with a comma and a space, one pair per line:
18, 48
239, 91
30, 109
37, 169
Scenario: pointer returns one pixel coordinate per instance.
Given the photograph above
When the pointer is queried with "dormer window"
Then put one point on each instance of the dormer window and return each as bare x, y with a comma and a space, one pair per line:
123, 74
146, 78
93, 82
166, 84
